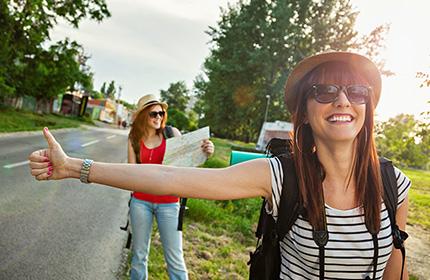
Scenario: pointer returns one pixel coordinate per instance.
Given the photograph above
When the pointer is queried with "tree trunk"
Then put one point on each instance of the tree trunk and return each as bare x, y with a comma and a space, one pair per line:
43, 106
15, 101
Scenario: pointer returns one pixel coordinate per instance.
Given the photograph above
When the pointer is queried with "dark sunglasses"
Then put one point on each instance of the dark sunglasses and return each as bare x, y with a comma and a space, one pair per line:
154, 114
356, 94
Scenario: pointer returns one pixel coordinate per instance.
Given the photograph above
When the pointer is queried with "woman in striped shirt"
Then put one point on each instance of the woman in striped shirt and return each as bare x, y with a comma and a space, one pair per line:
331, 97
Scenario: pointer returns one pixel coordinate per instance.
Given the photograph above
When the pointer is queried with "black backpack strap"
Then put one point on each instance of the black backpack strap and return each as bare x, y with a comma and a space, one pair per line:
321, 238
289, 206
168, 132
276, 147
182, 208
390, 187
265, 261
261, 221
127, 225
390, 199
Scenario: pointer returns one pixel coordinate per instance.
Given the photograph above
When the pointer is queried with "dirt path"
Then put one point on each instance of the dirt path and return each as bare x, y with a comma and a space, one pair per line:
418, 252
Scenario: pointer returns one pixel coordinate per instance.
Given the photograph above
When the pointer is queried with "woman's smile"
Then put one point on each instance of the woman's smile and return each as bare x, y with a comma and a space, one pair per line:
340, 118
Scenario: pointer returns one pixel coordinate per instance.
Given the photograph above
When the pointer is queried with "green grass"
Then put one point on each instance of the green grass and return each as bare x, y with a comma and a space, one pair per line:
419, 198
12, 120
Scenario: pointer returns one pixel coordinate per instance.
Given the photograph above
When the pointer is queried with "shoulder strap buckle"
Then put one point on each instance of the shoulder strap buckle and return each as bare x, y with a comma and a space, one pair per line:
320, 237
399, 236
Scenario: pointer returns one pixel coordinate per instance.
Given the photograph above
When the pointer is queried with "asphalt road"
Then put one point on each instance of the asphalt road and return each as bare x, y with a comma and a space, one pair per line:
60, 229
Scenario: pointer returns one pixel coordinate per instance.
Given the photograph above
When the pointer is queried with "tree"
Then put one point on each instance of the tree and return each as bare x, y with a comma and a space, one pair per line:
425, 127
53, 71
178, 119
177, 95
96, 95
254, 47
6, 22
178, 98
424, 82
103, 89
425, 79
111, 91
127, 105
371, 46
25, 26
199, 88
403, 140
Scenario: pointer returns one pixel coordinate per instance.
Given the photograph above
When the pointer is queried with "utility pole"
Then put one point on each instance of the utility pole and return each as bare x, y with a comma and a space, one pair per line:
117, 105
267, 108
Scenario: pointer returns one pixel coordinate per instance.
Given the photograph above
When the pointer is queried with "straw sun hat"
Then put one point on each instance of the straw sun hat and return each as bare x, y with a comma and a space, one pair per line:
149, 100
364, 65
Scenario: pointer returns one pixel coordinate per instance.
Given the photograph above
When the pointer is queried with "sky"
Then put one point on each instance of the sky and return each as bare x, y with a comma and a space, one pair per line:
146, 45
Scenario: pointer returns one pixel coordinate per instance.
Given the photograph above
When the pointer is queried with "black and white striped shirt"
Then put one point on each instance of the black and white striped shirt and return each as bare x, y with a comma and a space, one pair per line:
349, 251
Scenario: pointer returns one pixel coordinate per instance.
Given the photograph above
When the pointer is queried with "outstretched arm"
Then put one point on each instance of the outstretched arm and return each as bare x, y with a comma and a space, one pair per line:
249, 179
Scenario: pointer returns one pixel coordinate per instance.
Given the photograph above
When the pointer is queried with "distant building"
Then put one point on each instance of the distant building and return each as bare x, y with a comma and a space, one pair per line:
71, 104
278, 129
102, 109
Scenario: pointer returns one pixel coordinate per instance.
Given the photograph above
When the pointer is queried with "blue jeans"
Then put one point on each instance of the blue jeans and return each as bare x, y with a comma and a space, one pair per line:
141, 216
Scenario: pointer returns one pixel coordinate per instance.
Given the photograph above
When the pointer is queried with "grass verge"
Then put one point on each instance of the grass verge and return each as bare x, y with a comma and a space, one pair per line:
12, 120
419, 198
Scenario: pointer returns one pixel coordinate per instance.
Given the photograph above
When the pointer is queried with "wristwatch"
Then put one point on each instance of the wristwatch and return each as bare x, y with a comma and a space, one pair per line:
85, 170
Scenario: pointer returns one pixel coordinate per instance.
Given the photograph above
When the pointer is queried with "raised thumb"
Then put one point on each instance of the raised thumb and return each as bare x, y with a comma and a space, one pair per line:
49, 137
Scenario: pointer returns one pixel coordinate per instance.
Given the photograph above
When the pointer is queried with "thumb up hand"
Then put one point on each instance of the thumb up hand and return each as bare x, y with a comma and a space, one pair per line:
49, 163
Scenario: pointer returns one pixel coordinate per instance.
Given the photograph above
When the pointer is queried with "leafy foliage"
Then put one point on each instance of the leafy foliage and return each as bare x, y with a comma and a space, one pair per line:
96, 95
177, 119
424, 82
128, 105
405, 141
110, 91
371, 46
425, 79
177, 95
26, 67
53, 71
255, 45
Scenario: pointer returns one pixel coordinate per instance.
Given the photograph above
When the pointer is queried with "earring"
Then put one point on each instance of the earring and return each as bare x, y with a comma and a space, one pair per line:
296, 133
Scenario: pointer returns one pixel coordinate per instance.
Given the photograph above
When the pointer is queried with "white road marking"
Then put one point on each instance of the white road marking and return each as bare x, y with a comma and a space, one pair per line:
90, 143
110, 137
16, 164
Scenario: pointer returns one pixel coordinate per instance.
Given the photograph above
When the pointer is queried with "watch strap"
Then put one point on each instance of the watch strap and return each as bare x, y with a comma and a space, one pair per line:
85, 170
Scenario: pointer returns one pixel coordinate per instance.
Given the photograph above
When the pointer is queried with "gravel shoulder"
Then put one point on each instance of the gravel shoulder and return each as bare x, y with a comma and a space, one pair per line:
418, 252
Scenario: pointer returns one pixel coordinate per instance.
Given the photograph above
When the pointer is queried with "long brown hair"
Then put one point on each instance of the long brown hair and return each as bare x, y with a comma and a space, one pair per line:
310, 172
139, 129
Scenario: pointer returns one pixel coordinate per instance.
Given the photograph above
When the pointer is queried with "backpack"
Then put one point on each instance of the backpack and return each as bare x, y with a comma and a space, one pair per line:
167, 133
265, 261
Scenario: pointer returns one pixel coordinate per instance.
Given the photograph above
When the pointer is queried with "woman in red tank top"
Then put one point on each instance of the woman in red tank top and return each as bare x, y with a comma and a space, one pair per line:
147, 145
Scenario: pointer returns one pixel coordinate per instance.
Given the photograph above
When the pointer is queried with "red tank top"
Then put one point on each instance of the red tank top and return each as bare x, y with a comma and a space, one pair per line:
154, 156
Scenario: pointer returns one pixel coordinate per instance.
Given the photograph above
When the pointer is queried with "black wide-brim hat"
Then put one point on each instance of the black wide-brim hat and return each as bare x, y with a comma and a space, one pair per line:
361, 63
